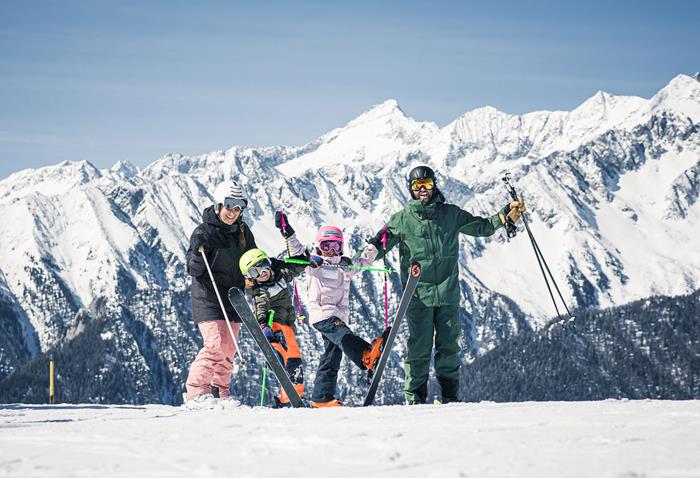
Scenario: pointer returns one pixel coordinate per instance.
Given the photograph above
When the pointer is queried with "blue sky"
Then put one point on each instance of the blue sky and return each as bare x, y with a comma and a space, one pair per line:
108, 80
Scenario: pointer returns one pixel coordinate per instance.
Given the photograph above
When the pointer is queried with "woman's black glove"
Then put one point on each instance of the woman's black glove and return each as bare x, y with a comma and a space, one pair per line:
200, 239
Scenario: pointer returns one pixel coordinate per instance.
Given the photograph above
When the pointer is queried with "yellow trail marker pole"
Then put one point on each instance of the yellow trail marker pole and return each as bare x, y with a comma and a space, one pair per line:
51, 381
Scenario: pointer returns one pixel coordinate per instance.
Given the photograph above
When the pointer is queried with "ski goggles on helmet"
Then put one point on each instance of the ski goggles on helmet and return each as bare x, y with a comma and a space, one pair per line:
255, 271
426, 183
327, 246
234, 203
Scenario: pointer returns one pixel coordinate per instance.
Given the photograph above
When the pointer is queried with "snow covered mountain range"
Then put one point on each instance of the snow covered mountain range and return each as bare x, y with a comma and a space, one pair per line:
612, 188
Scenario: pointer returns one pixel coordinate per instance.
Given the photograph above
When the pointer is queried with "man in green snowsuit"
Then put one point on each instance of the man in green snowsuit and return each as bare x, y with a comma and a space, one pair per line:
427, 231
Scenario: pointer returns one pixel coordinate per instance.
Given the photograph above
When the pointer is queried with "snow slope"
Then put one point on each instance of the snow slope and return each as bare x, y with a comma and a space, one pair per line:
555, 439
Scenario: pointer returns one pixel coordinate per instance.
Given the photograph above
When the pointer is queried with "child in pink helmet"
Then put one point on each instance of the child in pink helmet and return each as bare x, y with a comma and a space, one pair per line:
329, 297
329, 292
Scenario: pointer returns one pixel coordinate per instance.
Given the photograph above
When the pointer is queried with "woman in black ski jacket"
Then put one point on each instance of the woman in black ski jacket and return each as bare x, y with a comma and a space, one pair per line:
224, 237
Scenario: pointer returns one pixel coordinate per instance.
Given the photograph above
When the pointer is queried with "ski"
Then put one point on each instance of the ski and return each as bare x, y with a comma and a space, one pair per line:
240, 305
411, 283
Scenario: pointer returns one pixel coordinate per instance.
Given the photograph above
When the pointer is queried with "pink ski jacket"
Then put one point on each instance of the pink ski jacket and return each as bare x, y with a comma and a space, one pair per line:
329, 287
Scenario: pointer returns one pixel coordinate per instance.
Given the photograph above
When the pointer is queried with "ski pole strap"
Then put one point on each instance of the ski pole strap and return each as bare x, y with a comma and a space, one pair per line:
289, 260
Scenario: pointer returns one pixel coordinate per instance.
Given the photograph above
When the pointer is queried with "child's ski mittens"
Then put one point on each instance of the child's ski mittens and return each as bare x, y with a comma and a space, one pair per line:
315, 262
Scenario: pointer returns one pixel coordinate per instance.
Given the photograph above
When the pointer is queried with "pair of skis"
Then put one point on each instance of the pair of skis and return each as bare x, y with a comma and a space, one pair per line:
240, 305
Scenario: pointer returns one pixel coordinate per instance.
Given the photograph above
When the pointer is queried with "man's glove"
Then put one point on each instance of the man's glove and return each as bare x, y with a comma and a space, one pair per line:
376, 241
345, 261
288, 230
516, 210
315, 262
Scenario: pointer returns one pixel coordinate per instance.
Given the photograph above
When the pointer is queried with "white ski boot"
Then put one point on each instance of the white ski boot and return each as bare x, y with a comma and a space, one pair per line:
228, 403
205, 401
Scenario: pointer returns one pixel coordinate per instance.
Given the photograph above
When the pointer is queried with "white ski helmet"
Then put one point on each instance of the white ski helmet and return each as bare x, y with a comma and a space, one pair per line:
230, 195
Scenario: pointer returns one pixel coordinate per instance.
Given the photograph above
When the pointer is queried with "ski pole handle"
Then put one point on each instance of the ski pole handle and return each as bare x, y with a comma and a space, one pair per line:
508, 224
284, 223
289, 253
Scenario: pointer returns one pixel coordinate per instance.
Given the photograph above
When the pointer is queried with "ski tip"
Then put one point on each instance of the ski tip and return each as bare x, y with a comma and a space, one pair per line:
236, 292
415, 269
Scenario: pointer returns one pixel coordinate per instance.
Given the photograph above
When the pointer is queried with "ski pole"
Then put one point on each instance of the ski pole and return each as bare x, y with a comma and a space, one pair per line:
386, 284
216, 289
537, 247
371, 269
510, 230
289, 253
264, 381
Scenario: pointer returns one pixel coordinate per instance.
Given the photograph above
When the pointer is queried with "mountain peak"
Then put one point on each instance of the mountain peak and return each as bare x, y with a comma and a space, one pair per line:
479, 115
680, 95
596, 102
389, 105
124, 168
82, 170
389, 108
683, 82
49, 180
488, 110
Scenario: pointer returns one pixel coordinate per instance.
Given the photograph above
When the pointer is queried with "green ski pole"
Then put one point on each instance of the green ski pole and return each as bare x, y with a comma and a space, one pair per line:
371, 269
264, 381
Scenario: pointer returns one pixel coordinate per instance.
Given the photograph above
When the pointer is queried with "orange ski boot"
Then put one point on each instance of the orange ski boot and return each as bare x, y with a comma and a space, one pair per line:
328, 404
370, 357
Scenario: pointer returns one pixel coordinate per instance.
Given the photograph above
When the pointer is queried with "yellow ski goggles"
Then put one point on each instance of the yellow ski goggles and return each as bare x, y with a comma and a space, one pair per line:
426, 183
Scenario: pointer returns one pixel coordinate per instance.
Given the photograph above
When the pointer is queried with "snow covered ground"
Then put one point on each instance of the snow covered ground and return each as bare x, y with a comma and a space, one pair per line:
596, 439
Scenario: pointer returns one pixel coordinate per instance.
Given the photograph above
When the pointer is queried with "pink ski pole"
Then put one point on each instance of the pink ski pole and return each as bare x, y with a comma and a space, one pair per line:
296, 292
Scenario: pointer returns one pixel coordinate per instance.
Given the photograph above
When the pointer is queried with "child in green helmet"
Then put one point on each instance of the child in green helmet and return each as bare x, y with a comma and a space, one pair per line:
267, 281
